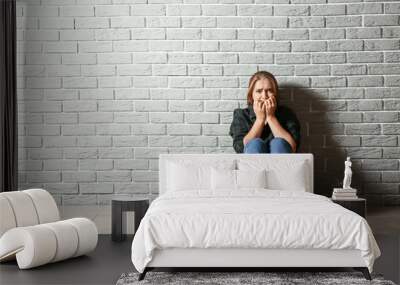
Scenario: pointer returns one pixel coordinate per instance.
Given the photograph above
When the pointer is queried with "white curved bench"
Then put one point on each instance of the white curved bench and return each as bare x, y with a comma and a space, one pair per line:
31, 230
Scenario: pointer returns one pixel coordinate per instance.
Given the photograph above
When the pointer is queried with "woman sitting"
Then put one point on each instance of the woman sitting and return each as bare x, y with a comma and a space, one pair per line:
264, 126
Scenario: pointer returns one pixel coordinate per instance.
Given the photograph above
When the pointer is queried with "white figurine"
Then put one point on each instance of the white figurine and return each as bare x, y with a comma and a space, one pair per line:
347, 174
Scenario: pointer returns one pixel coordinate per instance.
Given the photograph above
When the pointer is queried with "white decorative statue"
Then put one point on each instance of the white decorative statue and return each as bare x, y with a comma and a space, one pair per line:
347, 174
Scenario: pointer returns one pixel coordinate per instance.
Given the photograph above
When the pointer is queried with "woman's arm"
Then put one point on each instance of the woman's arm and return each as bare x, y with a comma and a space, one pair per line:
258, 126
276, 128
255, 131
278, 131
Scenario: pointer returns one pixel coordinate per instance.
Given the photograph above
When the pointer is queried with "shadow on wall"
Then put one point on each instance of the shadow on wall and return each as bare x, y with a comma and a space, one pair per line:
323, 135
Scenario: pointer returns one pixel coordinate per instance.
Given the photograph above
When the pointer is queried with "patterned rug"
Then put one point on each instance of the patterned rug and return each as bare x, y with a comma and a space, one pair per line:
243, 278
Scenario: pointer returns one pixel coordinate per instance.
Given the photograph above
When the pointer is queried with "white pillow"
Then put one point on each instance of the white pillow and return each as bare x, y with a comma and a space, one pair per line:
187, 175
226, 179
251, 178
294, 179
183, 178
223, 179
281, 174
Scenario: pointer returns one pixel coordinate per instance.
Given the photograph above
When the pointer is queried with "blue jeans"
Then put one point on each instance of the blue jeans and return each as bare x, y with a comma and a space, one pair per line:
276, 145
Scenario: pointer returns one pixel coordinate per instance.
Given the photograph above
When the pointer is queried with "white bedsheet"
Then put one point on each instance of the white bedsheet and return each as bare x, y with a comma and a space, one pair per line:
255, 218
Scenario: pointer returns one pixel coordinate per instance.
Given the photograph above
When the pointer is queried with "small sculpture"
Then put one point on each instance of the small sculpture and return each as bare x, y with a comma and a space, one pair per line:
347, 174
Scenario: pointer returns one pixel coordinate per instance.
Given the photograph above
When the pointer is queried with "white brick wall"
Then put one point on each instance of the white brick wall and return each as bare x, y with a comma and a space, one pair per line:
106, 86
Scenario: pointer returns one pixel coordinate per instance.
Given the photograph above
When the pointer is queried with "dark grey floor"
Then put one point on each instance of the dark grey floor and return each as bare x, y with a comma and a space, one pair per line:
389, 262
103, 266
109, 260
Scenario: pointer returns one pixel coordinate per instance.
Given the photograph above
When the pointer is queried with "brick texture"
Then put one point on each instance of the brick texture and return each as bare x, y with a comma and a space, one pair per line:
105, 86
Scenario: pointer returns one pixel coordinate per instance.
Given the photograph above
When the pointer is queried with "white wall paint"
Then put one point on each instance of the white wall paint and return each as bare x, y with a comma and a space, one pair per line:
107, 85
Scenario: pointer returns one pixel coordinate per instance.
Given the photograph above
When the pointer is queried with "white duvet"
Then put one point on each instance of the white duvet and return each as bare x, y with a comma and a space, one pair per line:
255, 218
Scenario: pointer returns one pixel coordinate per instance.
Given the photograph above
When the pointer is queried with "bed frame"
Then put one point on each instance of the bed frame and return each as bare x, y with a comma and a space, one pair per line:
256, 258
240, 258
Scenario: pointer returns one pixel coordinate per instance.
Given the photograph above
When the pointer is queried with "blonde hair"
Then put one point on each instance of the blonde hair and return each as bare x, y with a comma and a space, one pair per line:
252, 82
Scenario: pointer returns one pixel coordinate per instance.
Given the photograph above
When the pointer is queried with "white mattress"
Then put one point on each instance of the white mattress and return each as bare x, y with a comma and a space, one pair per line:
256, 218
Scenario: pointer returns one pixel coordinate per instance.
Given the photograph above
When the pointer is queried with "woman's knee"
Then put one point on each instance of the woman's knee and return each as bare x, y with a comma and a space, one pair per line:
255, 145
280, 145
255, 141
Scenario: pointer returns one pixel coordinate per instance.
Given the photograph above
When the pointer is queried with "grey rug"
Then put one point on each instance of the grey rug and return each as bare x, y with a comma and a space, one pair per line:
243, 278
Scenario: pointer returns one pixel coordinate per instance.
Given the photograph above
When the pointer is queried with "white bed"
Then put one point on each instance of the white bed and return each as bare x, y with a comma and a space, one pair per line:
280, 225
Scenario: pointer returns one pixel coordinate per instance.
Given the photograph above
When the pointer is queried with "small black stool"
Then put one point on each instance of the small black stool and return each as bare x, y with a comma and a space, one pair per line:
120, 205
